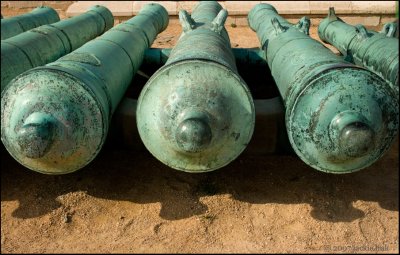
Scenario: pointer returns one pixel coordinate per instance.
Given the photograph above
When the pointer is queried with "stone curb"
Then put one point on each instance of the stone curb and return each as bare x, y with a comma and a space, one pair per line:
242, 8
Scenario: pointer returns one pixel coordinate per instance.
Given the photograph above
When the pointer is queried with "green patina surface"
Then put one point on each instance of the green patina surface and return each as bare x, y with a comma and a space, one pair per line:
55, 118
159, 57
47, 43
37, 17
340, 118
196, 114
379, 52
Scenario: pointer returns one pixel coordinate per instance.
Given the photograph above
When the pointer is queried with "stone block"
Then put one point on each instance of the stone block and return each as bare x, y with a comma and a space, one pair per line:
292, 7
240, 7
118, 8
322, 7
24, 4
373, 7
170, 6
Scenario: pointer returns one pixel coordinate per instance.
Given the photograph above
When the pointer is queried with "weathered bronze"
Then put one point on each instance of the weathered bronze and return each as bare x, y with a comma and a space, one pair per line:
378, 52
55, 118
340, 117
196, 114
47, 43
37, 17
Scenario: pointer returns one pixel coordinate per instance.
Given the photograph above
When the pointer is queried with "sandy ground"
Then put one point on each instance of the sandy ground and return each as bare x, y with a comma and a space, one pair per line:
127, 201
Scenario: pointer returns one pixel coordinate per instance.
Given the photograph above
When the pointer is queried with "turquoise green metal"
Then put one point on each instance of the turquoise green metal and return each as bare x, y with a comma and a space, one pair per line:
47, 43
339, 117
379, 52
196, 114
390, 29
157, 56
55, 118
37, 17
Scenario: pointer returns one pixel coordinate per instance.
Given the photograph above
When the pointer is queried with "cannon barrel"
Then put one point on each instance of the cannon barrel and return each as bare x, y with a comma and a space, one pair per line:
47, 43
196, 114
55, 118
378, 52
339, 117
37, 17
156, 57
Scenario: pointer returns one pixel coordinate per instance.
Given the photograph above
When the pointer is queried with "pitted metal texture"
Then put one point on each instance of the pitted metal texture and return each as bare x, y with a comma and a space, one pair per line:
377, 51
196, 114
55, 118
340, 117
47, 43
37, 17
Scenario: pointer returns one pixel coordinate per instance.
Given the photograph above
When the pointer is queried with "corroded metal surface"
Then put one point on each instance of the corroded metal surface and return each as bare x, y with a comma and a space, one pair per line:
379, 52
251, 64
270, 127
37, 17
340, 118
254, 57
54, 118
196, 113
47, 43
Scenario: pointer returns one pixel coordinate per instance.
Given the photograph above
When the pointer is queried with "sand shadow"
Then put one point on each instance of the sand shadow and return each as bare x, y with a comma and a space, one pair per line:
139, 178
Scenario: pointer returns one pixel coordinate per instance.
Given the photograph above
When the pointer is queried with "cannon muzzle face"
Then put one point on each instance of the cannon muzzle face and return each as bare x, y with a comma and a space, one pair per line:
343, 121
355, 137
195, 115
193, 135
36, 136
51, 122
